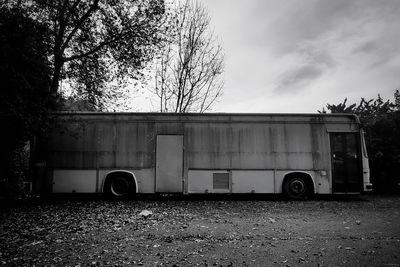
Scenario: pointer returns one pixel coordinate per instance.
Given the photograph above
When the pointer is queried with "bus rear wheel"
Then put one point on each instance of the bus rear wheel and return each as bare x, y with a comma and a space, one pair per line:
119, 187
296, 188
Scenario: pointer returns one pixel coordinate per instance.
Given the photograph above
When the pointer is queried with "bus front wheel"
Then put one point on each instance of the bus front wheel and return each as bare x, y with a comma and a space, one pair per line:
119, 187
296, 188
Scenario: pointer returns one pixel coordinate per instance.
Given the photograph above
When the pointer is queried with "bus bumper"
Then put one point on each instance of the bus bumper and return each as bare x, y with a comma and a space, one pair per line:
368, 187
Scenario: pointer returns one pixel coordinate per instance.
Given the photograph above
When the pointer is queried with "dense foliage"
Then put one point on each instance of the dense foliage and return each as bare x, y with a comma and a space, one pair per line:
381, 121
25, 86
96, 46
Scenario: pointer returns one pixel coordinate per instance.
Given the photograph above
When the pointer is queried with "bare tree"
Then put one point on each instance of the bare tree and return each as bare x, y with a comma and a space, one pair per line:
188, 73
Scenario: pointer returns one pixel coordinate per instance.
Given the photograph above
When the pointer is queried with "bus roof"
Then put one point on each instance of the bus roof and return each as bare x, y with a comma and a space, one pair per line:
215, 117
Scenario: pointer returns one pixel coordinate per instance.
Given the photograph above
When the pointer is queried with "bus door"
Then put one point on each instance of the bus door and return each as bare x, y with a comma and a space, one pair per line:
169, 163
346, 163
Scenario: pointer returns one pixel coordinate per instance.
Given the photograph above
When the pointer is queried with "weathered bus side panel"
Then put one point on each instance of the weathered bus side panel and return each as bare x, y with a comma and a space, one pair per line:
255, 153
104, 145
221, 154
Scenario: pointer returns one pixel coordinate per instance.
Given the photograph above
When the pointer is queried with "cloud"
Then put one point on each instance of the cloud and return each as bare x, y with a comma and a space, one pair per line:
380, 51
299, 77
323, 38
316, 54
319, 50
305, 64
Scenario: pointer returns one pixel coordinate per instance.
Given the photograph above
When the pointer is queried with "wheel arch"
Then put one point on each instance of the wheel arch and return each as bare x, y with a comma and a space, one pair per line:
308, 178
111, 174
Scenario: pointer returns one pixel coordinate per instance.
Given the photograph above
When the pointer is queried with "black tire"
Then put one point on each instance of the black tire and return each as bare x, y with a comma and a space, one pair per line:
296, 188
119, 187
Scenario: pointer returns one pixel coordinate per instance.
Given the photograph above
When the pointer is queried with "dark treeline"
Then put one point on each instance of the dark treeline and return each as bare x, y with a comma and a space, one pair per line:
25, 100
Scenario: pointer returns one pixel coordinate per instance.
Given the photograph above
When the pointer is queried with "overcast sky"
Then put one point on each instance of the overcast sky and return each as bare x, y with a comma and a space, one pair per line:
298, 55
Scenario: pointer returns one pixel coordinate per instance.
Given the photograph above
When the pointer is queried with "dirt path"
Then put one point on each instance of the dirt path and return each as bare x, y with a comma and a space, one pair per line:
361, 231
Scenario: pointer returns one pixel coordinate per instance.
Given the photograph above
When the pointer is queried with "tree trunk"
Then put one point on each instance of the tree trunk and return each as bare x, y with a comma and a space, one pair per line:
58, 64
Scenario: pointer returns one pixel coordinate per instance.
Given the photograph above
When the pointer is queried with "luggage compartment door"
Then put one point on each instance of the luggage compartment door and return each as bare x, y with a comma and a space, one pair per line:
169, 163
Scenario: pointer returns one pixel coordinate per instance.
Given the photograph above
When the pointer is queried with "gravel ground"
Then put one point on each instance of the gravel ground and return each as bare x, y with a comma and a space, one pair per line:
223, 231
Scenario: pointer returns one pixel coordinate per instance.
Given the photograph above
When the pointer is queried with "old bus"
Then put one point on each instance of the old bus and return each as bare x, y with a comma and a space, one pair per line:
120, 154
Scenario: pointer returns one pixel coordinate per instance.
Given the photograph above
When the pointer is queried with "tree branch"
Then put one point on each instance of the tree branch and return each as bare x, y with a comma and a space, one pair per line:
84, 17
97, 48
